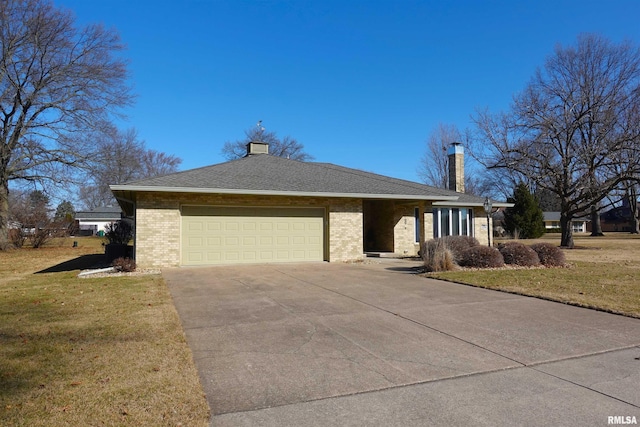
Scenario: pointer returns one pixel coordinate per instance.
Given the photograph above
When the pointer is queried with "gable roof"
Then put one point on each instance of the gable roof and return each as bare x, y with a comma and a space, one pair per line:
271, 175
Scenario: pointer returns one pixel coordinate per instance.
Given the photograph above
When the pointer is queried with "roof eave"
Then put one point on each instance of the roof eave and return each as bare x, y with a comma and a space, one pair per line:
473, 204
158, 189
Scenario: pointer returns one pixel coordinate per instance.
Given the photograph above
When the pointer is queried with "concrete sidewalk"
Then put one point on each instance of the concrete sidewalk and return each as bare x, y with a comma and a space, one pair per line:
335, 344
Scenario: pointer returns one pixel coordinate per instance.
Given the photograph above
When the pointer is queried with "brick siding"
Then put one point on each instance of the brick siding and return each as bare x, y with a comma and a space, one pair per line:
158, 223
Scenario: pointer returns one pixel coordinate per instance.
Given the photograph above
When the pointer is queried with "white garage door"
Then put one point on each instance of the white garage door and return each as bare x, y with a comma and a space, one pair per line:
220, 235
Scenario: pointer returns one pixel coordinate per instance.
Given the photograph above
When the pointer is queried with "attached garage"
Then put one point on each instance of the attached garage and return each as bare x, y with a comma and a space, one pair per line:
235, 235
266, 209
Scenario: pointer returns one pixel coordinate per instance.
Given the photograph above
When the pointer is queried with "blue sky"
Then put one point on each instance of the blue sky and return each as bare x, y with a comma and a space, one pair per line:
359, 83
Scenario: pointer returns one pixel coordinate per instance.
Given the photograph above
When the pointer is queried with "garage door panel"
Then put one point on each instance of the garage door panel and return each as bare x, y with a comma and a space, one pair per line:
266, 241
249, 241
213, 256
266, 256
213, 241
195, 241
216, 235
213, 226
196, 226
195, 256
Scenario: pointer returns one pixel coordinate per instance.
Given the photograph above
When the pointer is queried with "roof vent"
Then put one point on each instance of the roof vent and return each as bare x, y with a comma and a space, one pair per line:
255, 147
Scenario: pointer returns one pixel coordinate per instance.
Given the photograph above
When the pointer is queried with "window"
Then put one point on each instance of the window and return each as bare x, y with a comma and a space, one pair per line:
416, 217
452, 222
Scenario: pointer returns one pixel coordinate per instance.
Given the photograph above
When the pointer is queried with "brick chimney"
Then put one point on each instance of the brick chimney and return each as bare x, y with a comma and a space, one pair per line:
456, 167
255, 147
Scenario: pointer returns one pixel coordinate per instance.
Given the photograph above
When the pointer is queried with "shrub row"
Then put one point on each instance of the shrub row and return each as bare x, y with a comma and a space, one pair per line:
444, 253
549, 255
482, 257
516, 253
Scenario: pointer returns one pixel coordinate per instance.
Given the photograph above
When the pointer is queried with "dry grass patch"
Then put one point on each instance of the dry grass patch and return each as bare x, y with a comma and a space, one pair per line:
18, 263
603, 274
106, 351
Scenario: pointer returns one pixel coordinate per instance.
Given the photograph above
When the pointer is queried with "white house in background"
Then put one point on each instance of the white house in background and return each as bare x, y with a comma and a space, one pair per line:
552, 222
94, 221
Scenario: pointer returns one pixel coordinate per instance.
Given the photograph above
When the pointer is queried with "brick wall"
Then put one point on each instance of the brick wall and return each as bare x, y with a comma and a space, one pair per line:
345, 230
158, 223
480, 226
404, 238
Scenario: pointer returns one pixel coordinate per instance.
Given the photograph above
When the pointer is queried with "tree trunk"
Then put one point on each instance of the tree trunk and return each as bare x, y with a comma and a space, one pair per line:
635, 225
566, 240
632, 196
4, 215
596, 226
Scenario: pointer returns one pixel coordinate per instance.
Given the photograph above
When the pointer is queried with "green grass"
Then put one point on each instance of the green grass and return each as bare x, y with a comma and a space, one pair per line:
100, 351
602, 274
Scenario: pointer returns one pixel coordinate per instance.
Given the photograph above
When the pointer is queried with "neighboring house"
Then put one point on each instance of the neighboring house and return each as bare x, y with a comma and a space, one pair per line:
94, 221
263, 208
617, 218
552, 222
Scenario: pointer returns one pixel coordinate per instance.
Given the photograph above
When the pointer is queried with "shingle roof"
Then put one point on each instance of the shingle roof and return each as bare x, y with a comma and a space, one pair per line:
102, 213
271, 174
555, 216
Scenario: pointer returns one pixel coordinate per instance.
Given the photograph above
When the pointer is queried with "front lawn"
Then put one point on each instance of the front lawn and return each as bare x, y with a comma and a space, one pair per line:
100, 351
603, 273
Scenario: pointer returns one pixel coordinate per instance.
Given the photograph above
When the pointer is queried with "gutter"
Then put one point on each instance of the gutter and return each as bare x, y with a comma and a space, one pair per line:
473, 204
280, 193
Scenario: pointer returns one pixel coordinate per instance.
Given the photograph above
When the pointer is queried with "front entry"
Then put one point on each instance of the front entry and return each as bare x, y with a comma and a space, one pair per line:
378, 217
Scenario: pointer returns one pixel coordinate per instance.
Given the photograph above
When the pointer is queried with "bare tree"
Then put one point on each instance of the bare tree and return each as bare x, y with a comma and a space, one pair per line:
433, 168
287, 147
573, 121
56, 81
30, 215
121, 157
434, 164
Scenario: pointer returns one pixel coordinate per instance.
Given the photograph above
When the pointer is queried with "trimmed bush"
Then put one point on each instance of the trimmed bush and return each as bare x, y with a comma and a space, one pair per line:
482, 257
550, 255
437, 256
119, 232
126, 265
516, 253
458, 244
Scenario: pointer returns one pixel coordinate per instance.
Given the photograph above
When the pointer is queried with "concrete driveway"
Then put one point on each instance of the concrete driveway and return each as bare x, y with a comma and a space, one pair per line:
373, 344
